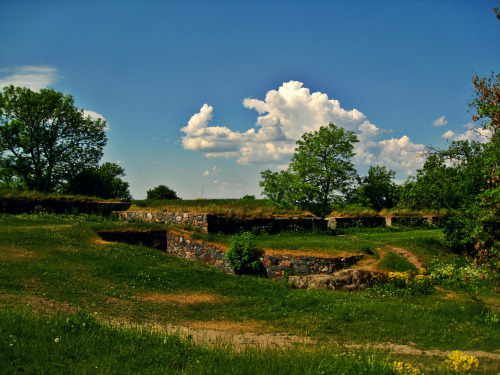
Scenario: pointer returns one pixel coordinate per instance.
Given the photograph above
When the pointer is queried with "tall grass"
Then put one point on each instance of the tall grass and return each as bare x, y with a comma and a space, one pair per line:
232, 208
42, 196
79, 344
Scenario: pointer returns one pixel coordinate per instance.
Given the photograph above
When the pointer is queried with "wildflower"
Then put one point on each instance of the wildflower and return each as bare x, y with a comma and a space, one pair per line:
460, 362
405, 369
56, 340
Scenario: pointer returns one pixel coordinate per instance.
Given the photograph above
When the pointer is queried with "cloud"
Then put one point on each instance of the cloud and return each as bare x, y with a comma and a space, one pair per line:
472, 133
440, 122
94, 116
214, 171
33, 77
283, 116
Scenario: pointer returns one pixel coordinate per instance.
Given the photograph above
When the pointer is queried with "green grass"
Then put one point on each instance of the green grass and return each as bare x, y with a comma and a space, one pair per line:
394, 262
427, 244
42, 196
231, 208
79, 344
58, 266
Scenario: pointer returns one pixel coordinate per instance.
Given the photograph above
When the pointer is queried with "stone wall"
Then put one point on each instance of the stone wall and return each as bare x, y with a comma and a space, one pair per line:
209, 223
182, 246
276, 266
195, 220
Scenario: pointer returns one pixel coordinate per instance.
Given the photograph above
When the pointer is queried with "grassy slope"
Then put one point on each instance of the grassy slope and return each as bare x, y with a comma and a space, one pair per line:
59, 265
232, 208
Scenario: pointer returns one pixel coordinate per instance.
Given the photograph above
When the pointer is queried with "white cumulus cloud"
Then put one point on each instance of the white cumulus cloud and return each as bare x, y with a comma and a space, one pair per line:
214, 171
440, 122
472, 133
283, 116
94, 116
33, 77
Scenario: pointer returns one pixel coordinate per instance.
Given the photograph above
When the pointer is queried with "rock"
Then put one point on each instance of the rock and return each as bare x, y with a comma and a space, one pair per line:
346, 279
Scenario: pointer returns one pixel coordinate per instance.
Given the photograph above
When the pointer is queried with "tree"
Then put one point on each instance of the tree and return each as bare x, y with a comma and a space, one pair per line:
486, 231
377, 188
320, 172
45, 140
103, 182
161, 192
449, 179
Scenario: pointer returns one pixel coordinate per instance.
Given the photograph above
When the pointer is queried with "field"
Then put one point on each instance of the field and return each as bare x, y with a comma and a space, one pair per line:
70, 302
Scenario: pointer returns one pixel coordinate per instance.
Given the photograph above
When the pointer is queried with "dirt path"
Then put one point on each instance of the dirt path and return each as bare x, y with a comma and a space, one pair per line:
412, 258
236, 335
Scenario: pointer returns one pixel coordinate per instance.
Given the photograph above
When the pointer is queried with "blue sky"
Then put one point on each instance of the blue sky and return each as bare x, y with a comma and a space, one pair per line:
204, 95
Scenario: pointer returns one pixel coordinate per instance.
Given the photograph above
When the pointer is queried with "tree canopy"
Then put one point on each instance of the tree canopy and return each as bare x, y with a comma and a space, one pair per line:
45, 140
161, 192
377, 189
103, 182
320, 172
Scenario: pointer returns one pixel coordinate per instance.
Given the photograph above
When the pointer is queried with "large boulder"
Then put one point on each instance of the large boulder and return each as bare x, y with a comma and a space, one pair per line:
345, 279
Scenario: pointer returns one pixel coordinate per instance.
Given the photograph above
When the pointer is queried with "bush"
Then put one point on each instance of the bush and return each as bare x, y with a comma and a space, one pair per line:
458, 230
244, 256
161, 192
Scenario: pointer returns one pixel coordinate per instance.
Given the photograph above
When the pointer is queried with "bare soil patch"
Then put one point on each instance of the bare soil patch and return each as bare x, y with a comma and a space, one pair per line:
17, 254
181, 298
412, 258
40, 304
100, 241
412, 350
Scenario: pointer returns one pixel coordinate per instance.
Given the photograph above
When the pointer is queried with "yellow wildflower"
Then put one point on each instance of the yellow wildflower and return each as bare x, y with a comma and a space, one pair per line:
460, 362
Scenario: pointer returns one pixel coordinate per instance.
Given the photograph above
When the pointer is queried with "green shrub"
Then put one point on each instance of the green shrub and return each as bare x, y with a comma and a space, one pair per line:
244, 256
458, 230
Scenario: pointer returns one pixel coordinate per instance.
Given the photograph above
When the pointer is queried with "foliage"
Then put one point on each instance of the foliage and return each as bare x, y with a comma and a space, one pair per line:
320, 172
244, 256
401, 284
377, 189
248, 197
458, 229
103, 182
460, 275
460, 362
449, 179
486, 214
161, 192
45, 140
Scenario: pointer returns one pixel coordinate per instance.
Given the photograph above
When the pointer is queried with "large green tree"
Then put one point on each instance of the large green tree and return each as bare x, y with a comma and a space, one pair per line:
486, 233
449, 179
45, 140
103, 182
161, 192
377, 189
321, 171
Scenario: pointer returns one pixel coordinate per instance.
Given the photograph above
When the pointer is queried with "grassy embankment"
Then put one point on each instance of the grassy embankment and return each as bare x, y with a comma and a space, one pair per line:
64, 292
252, 208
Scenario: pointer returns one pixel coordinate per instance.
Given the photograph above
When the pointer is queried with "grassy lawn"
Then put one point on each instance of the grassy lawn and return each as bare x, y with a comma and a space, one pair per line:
426, 244
56, 268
